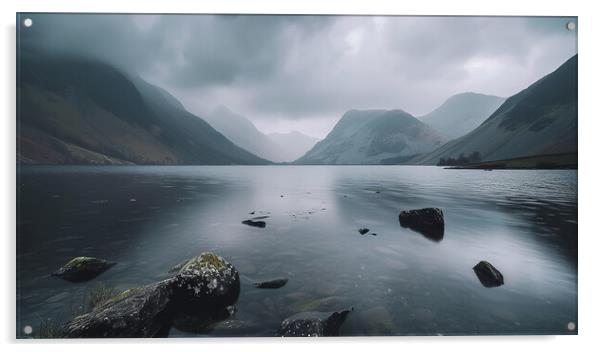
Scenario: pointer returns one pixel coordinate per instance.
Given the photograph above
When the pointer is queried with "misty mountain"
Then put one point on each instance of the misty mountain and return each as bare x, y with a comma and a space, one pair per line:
374, 137
274, 147
541, 119
292, 145
462, 113
78, 111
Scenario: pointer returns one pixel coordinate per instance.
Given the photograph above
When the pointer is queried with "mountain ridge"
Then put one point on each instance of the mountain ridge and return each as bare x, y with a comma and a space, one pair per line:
540, 119
284, 147
372, 137
75, 110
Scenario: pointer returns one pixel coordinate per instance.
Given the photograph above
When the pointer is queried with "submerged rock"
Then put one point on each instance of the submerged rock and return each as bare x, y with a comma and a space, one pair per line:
488, 274
363, 231
325, 304
313, 324
141, 312
254, 223
428, 221
207, 280
376, 321
275, 283
83, 268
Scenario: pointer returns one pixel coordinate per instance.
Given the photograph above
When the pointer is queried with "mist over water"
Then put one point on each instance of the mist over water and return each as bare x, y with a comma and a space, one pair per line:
399, 282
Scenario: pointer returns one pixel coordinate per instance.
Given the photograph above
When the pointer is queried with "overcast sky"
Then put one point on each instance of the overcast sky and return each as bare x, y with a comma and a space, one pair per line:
303, 72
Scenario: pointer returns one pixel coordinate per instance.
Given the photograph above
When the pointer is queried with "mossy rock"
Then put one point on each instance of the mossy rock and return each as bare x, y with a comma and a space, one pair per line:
207, 280
145, 311
81, 269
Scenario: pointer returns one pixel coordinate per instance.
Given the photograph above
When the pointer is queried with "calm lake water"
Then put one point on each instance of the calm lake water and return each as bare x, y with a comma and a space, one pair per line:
399, 282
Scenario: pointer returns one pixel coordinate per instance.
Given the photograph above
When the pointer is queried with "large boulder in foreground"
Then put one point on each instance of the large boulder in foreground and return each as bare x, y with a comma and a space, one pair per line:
205, 281
81, 269
488, 274
428, 221
202, 288
313, 324
140, 312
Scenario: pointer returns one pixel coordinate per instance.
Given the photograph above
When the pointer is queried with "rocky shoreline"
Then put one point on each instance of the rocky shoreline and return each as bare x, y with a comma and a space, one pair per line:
202, 292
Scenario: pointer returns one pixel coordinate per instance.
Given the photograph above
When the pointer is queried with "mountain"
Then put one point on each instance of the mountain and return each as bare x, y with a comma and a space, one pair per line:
462, 113
541, 119
292, 145
79, 111
374, 137
275, 147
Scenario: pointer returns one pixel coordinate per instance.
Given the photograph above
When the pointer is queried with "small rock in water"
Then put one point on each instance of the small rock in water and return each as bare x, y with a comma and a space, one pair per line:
83, 268
377, 192
313, 324
373, 234
254, 223
488, 274
363, 230
428, 221
276, 283
252, 213
260, 217
281, 195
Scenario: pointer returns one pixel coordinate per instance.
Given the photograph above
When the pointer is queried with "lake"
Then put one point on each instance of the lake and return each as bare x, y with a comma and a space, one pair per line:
399, 282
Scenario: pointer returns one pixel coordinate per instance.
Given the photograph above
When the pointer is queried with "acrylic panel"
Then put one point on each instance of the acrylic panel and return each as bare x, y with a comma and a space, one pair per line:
201, 175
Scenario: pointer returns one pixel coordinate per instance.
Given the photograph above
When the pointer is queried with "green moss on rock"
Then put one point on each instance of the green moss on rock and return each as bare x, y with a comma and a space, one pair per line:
83, 268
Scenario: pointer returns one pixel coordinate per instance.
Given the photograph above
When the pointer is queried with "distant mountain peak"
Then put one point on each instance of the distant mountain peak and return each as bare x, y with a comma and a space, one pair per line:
240, 130
373, 137
461, 113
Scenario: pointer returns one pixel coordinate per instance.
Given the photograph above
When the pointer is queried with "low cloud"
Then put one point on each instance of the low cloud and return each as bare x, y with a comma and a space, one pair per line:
310, 69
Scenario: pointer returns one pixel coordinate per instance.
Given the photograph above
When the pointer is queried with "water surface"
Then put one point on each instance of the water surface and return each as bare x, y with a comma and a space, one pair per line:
399, 282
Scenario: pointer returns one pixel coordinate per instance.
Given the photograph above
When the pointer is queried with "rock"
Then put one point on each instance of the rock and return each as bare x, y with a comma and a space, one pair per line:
141, 312
488, 274
428, 221
275, 283
363, 230
254, 223
82, 269
313, 324
195, 298
207, 280
260, 217
200, 322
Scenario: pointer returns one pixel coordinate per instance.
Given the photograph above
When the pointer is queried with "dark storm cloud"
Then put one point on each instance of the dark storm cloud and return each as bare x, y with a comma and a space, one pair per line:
313, 67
